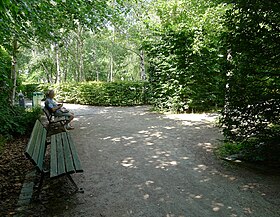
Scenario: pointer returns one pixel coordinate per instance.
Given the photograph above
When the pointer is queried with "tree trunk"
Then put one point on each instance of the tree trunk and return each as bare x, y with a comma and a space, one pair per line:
79, 54
81, 62
49, 75
78, 58
111, 68
65, 59
97, 75
228, 78
66, 72
14, 71
142, 66
57, 80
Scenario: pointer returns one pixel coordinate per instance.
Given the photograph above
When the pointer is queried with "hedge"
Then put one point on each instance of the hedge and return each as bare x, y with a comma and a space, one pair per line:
97, 93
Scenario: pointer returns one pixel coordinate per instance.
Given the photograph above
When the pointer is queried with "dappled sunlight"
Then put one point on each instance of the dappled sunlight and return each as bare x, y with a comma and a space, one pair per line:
207, 146
249, 186
162, 162
149, 143
172, 215
128, 163
248, 210
152, 133
169, 128
217, 206
195, 196
192, 119
106, 138
86, 110
229, 177
200, 168
205, 180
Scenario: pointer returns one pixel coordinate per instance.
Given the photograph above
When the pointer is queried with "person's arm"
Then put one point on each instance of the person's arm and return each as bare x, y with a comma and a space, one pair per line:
53, 107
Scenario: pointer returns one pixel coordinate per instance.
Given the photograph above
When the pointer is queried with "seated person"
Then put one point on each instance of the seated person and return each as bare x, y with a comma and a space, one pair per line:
58, 110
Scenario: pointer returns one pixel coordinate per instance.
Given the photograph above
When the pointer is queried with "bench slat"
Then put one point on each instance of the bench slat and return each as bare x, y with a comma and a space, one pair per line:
36, 152
31, 143
67, 154
41, 153
77, 163
36, 146
54, 166
60, 155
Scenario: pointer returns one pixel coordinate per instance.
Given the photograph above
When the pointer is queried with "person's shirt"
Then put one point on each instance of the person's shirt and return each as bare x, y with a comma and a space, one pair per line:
50, 104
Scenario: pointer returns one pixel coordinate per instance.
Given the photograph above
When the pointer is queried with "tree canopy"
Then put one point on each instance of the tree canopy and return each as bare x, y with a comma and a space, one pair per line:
197, 55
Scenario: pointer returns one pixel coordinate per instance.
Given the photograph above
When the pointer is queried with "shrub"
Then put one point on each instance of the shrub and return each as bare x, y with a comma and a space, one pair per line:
252, 113
251, 150
28, 89
101, 93
17, 121
5, 74
113, 94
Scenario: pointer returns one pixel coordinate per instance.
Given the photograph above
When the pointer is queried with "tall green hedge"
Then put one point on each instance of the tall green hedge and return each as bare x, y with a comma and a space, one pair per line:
5, 74
253, 96
97, 93
186, 57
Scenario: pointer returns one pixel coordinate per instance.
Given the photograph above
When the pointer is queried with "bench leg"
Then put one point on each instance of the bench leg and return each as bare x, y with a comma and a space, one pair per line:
80, 190
41, 181
39, 188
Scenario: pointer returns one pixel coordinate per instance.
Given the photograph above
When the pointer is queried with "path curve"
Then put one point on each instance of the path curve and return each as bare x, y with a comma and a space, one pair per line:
143, 164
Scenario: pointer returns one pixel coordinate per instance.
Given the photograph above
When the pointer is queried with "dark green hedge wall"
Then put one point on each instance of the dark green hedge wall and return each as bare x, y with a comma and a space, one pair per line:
97, 93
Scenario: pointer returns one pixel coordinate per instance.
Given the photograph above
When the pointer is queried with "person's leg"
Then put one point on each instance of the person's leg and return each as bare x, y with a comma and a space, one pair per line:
69, 117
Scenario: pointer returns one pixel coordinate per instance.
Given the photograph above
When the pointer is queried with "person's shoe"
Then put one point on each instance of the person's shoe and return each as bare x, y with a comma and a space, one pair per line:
69, 128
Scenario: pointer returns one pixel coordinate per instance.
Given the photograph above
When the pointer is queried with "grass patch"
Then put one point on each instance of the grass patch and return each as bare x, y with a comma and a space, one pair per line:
251, 150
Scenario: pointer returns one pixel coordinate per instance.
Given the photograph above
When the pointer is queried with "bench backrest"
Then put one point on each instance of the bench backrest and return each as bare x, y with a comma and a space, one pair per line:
48, 114
36, 147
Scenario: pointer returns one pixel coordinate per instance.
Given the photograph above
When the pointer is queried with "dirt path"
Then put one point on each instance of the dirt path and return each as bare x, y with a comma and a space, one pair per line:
143, 164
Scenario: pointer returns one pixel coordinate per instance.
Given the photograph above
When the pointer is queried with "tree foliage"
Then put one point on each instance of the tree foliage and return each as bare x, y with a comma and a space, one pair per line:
200, 55
89, 62
185, 54
5, 73
252, 109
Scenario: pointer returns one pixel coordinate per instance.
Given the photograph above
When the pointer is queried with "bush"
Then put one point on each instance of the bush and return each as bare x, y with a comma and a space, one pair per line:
182, 80
251, 116
101, 93
17, 121
5, 74
251, 150
28, 89
113, 94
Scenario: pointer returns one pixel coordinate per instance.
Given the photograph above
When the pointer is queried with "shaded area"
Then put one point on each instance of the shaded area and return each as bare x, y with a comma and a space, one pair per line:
13, 168
138, 163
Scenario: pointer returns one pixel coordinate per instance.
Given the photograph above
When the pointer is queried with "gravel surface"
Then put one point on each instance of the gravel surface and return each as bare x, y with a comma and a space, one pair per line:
142, 164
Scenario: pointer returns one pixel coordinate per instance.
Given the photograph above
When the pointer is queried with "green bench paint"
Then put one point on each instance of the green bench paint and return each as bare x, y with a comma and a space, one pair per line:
36, 147
64, 158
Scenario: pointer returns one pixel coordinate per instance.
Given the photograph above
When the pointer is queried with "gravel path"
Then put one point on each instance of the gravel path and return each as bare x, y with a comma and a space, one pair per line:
142, 164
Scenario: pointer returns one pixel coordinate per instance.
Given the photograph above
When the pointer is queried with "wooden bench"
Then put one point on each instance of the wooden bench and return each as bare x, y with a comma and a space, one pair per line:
64, 158
53, 119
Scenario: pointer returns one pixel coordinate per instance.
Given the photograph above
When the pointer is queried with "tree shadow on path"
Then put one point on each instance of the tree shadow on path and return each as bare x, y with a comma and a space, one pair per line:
139, 163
